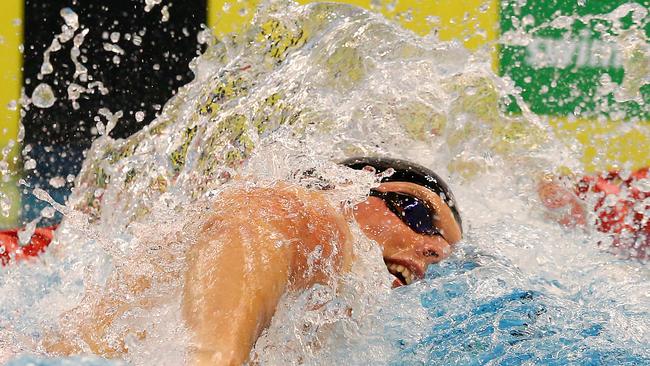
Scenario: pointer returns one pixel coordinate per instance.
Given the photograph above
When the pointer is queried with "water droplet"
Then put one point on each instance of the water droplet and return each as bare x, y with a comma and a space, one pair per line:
100, 128
165, 13
5, 205
25, 235
48, 212
46, 68
70, 17
642, 185
149, 4
30, 164
112, 119
57, 182
43, 96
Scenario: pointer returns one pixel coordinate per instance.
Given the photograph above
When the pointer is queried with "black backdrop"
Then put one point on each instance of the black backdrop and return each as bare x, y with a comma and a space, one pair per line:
148, 74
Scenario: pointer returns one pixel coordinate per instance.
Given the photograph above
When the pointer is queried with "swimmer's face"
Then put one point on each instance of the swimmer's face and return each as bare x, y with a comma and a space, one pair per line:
424, 234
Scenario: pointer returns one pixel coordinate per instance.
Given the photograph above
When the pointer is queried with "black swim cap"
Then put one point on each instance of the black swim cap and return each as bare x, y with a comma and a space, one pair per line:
405, 171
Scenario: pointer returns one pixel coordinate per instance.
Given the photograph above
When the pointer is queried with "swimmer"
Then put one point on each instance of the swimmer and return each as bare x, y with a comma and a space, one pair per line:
412, 215
618, 200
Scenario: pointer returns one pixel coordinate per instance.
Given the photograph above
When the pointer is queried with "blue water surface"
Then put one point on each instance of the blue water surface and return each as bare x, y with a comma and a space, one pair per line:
520, 327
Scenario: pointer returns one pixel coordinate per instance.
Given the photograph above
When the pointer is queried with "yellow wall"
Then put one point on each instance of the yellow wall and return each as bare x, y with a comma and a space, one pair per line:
475, 19
606, 145
10, 64
11, 78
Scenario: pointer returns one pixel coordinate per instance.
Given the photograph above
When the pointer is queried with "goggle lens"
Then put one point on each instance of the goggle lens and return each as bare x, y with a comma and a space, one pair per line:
415, 213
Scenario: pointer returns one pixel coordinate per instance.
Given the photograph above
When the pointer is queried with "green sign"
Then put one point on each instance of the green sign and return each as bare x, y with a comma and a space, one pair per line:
587, 58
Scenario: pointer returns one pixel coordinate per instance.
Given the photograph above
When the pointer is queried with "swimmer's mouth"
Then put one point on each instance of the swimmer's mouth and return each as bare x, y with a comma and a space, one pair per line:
405, 272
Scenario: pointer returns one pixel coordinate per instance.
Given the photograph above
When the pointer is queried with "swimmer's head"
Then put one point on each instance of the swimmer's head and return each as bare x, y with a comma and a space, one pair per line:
412, 215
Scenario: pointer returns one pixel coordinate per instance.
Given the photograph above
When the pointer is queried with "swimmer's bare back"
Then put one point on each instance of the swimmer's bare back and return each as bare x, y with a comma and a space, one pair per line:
255, 246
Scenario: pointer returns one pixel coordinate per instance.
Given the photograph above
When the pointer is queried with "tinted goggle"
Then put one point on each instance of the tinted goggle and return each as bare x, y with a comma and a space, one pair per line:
414, 212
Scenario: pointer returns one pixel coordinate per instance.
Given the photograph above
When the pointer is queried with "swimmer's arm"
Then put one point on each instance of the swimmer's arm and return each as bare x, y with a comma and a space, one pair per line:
245, 258
231, 293
563, 204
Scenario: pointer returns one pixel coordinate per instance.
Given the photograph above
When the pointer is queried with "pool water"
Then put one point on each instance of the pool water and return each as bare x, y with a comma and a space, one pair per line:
299, 89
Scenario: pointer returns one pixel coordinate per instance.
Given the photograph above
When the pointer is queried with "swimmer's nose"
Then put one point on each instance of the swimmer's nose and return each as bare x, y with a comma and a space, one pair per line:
433, 250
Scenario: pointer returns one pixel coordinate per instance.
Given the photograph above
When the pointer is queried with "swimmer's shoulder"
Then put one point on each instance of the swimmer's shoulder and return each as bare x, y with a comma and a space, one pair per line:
242, 193
243, 201
281, 200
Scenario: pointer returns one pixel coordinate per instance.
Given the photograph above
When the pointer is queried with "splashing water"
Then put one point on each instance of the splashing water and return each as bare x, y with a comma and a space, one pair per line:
43, 96
301, 88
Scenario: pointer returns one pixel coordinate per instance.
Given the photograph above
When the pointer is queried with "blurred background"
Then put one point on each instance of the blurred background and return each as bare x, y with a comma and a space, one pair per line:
75, 58
67, 64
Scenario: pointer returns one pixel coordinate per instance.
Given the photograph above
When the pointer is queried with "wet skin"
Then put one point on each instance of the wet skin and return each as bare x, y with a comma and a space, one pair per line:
400, 244
258, 244
306, 220
243, 263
